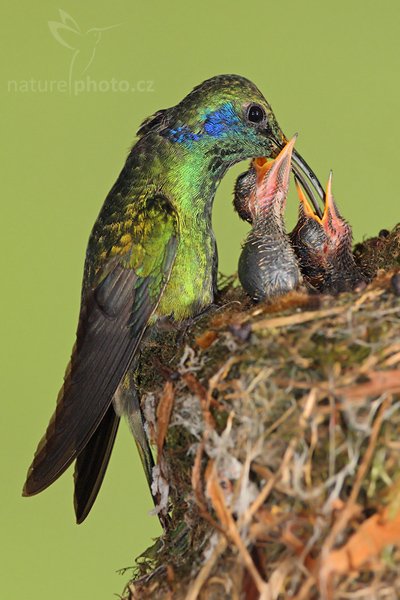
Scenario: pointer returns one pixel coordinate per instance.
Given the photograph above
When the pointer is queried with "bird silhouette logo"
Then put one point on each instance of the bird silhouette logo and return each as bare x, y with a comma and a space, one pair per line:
83, 44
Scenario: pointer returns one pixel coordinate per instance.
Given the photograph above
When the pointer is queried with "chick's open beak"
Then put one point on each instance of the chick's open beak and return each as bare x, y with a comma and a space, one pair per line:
308, 209
273, 176
331, 220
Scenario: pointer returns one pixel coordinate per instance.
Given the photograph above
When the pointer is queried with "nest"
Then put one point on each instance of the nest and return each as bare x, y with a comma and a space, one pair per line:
277, 430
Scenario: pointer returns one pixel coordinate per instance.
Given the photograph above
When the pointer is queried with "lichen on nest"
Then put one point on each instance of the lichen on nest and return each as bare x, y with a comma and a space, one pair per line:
277, 431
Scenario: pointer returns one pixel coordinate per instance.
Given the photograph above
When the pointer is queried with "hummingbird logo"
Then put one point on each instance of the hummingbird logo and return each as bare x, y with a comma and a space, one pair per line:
83, 44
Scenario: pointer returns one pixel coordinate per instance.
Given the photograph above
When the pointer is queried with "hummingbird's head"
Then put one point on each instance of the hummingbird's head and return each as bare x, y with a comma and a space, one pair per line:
227, 119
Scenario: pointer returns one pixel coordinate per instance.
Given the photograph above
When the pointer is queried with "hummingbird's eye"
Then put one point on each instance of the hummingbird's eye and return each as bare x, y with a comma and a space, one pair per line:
255, 113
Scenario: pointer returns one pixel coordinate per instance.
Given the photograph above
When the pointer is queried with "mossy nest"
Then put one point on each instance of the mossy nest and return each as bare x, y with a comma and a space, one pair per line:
277, 430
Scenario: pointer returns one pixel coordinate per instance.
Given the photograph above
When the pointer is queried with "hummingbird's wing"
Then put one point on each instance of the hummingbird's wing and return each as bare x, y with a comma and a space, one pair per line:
114, 315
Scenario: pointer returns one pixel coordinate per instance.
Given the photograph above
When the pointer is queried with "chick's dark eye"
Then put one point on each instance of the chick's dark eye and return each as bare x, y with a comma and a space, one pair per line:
255, 113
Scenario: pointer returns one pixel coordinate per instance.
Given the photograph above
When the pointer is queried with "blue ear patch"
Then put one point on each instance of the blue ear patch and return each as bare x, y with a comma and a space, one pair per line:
216, 123
183, 135
219, 121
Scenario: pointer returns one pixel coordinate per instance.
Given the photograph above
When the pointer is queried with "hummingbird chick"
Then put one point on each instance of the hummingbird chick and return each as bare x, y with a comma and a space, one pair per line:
323, 246
267, 265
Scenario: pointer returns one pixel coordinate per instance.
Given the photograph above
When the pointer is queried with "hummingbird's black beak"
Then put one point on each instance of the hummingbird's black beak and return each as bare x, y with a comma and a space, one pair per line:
304, 175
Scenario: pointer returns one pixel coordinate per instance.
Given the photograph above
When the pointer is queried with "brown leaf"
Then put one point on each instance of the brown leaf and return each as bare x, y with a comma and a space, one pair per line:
164, 410
364, 545
205, 340
196, 477
216, 495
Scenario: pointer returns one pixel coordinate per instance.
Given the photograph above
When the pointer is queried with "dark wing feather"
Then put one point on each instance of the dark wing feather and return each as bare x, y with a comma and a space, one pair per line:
112, 322
91, 464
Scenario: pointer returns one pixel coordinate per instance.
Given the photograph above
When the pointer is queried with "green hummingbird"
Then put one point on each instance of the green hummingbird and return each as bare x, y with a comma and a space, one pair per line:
151, 257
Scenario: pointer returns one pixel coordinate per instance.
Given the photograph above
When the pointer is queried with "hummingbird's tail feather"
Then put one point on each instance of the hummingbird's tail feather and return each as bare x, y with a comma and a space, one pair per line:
91, 464
126, 403
143, 447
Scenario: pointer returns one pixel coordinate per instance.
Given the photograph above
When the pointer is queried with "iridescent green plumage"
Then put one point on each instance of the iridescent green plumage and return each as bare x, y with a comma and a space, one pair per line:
151, 256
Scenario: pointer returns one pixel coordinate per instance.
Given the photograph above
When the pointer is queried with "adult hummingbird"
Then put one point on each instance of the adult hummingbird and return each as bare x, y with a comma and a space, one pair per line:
324, 246
267, 265
151, 256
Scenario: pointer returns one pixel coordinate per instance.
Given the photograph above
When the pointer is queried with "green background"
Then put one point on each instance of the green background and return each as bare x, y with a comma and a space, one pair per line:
330, 71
